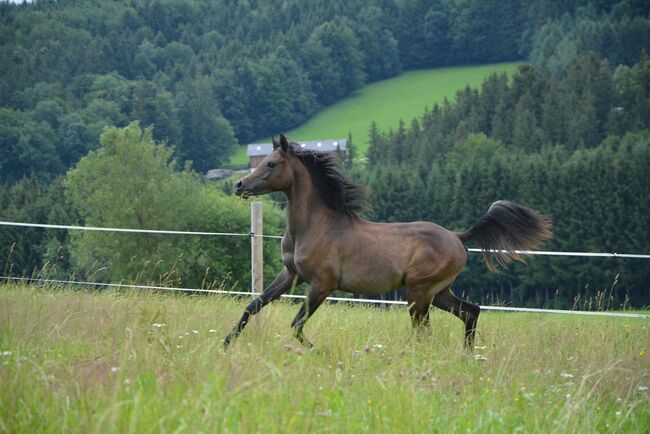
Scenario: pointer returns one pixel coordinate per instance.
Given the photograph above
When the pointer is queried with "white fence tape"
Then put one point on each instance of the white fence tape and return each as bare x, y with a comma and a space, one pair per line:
582, 254
156, 231
102, 229
140, 231
338, 299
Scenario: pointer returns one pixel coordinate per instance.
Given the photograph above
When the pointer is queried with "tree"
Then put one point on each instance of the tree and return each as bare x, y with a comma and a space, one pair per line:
153, 106
436, 36
28, 147
75, 139
333, 61
208, 138
131, 181
350, 153
35, 251
377, 45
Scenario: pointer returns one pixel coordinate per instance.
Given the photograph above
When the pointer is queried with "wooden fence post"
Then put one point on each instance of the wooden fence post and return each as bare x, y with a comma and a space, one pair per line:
257, 256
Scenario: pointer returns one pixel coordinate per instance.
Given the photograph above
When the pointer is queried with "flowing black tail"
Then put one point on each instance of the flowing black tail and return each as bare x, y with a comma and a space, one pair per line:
506, 228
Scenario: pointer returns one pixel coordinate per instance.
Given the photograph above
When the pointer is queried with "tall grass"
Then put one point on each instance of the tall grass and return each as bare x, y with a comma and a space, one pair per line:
96, 362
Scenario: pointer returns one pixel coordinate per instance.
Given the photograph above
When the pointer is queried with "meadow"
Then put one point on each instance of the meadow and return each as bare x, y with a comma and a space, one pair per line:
137, 362
386, 102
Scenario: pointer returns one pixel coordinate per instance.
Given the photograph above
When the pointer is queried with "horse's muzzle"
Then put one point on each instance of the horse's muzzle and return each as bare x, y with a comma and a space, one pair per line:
239, 188
241, 191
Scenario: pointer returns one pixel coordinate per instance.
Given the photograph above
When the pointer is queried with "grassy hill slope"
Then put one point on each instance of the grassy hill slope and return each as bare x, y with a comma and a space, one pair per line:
386, 102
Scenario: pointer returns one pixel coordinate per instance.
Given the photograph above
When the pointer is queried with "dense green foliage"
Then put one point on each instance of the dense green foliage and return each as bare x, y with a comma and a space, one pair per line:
618, 36
209, 74
130, 181
28, 251
575, 146
206, 75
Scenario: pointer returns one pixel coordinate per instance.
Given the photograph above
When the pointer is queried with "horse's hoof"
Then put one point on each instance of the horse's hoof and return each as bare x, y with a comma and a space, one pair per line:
305, 343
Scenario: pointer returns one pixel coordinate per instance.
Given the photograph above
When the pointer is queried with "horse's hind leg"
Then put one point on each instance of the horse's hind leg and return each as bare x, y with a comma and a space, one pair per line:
419, 311
467, 312
418, 297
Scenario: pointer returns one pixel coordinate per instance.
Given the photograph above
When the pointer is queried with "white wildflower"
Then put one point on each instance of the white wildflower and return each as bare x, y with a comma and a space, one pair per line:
212, 331
196, 332
480, 357
643, 388
619, 413
7, 353
566, 375
480, 348
115, 369
158, 325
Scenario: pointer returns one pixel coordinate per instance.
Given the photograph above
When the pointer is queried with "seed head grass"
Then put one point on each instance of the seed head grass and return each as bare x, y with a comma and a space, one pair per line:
135, 362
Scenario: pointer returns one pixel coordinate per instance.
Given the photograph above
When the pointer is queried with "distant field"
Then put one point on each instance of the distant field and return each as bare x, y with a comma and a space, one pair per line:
386, 102
82, 362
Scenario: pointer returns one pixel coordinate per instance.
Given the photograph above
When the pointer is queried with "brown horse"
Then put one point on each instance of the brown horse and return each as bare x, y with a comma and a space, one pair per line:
327, 245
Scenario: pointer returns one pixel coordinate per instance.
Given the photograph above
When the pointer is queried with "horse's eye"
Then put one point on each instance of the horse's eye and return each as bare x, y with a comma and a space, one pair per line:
270, 164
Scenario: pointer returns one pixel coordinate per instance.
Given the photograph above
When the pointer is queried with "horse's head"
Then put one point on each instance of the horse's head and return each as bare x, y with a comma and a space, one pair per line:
272, 174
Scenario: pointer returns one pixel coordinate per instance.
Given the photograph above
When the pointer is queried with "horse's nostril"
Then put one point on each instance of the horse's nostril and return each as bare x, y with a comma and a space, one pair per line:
239, 185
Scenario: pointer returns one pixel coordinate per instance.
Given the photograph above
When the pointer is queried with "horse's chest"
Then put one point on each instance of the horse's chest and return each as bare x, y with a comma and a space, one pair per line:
302, 260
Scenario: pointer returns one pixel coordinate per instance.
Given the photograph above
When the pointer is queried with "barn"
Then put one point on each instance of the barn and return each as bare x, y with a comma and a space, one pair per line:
257, 151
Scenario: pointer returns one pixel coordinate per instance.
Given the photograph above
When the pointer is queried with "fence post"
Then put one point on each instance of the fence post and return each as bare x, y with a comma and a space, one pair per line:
257, 257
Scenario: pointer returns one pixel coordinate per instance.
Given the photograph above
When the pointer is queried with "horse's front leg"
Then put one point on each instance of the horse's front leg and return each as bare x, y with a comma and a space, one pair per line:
314, 299
281, 284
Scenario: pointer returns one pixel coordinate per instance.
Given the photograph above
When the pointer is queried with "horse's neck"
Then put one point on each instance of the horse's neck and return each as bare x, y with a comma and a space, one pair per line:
306, 211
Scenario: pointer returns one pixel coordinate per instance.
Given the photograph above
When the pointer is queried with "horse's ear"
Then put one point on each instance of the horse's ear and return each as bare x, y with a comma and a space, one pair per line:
284, 143
275, 144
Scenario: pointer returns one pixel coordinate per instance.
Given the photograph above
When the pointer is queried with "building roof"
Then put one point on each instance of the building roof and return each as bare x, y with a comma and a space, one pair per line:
330, 145
218, 174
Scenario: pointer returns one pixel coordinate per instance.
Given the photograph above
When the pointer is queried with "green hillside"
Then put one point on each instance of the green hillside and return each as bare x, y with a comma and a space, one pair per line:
386, 102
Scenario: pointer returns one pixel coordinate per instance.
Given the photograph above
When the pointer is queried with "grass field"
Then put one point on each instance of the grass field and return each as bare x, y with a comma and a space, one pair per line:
386, 102
73, 361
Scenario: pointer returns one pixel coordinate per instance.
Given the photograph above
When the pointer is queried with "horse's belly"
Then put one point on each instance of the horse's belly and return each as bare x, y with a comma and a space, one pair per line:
374, 278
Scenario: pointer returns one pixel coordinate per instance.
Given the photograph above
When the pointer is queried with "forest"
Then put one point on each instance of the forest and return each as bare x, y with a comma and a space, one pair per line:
576, 146
186, 81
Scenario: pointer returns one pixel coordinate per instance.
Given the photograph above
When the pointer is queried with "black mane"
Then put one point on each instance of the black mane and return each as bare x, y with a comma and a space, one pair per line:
337, 192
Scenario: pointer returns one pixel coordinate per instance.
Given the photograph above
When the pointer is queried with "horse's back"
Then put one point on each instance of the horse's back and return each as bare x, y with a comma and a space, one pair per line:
420, 233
